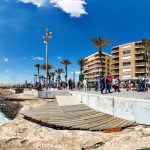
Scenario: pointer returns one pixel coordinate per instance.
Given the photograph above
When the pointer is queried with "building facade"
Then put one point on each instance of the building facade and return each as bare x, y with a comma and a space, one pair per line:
128, 61
93, 69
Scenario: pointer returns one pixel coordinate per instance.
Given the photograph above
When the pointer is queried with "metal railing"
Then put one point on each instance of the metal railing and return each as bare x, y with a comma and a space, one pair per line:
139, 58
140, 70
140, 64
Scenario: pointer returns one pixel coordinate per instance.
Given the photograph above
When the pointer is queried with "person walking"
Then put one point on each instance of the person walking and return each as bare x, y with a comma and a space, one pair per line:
70, 84
102, 83
108, 85
110, 78
117, 84
96, 84
85, 85
140, 85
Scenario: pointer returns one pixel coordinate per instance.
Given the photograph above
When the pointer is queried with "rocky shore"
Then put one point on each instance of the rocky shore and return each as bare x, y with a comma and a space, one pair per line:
21, 134
10, 108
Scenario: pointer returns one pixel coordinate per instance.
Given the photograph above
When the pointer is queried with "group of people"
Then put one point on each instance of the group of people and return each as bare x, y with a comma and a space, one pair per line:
107, 84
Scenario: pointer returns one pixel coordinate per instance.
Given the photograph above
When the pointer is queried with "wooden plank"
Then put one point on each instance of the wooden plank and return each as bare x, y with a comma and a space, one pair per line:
93, 122
77, 120
107, 124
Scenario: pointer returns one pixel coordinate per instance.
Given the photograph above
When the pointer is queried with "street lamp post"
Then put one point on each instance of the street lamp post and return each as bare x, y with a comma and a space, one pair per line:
47, 37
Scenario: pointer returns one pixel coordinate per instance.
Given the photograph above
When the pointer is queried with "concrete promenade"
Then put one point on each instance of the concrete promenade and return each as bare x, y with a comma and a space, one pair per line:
123, 93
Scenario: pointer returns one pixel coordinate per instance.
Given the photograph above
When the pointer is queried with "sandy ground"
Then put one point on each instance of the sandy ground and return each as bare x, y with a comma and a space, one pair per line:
20, 134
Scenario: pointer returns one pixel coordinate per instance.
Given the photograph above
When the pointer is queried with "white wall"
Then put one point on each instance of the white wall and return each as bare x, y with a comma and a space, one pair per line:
127, 108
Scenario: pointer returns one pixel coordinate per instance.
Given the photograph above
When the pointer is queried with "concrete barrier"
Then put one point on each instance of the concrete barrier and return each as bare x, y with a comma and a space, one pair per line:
137, 110
35, 93
97, 102
17, 90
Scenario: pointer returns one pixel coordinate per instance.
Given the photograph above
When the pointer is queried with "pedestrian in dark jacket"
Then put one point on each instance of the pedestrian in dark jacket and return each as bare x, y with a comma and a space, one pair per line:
108, 85
102, 83
96, 84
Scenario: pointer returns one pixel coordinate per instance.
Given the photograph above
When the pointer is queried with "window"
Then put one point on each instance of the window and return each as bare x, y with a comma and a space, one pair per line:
126, 51
126, 57
127, 76
126, 70
126, 63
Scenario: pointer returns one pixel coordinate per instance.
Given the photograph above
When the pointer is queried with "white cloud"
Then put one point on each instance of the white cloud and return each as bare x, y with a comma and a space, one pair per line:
59, 57
5, 59
38, 3
73, 7
38, 58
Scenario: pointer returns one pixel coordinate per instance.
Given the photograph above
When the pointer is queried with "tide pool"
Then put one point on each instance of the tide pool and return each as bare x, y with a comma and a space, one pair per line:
3, 118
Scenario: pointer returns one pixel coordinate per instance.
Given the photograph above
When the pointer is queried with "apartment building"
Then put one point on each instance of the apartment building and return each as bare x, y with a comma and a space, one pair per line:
93, 67
128, 61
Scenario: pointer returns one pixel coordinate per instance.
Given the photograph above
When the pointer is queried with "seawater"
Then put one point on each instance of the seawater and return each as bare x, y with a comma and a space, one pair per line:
3, 119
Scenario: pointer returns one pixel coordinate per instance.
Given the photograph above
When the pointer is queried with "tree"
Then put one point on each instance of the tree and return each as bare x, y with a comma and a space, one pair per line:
49, 66
41, 78
66, 62
38, 66
59, 71
35, 78
100, 43
81, 62
53, 75
145, 46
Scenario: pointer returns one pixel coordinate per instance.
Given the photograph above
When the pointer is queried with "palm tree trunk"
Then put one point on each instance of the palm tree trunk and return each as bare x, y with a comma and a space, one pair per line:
59, 78
39, 79
81, 70
39, 74
66, 74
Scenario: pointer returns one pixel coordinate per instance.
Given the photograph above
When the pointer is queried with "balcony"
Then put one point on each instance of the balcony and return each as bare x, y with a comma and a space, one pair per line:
115, 67
115, 73
139, 58
115, 62
139, 52
137, 46
139, 70
115, 51
115, 56
140, 64
92, 67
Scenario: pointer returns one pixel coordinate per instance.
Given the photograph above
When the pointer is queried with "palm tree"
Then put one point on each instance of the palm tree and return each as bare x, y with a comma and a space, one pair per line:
81, 62
66, 62
59, 71
41, 78
145, 46
49, 66
38, 66
35, 78
52, 75
100, 43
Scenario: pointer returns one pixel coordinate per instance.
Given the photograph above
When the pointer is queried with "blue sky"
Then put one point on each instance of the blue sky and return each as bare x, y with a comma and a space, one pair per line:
73, 24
